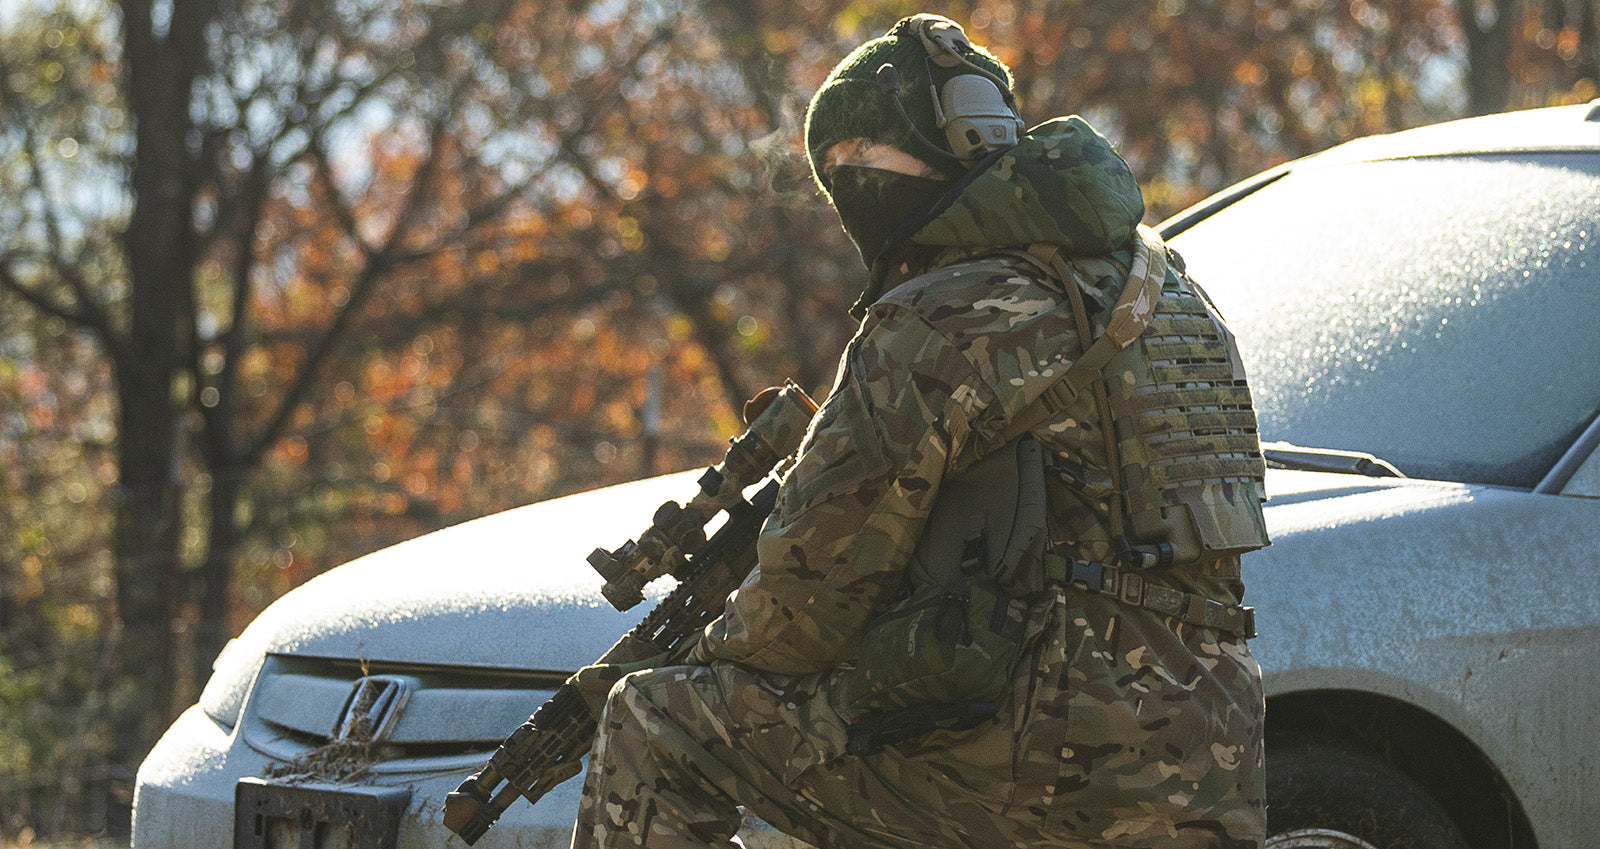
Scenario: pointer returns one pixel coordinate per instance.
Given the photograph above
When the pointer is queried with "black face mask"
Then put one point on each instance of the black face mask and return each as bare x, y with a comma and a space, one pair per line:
874, 203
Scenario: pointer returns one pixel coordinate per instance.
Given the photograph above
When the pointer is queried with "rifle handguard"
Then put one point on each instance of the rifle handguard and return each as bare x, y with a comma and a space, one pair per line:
548, 748
678, 531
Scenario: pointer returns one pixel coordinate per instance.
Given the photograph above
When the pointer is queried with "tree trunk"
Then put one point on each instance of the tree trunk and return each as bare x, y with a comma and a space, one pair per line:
161, 61
216, 573
146, 537
1588, 63
1488, 26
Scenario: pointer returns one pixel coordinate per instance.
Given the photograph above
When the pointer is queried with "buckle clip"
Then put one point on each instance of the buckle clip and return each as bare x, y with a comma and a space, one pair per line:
1132, 589
1091, 575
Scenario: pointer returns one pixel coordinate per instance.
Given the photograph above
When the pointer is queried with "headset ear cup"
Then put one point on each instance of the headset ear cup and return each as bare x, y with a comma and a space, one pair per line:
977, 116
976, 109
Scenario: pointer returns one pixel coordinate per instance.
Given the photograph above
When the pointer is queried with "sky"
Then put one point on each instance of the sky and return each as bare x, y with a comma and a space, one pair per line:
11, 11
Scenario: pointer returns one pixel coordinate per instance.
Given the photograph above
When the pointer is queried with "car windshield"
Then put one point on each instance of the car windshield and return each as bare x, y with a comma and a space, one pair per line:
1440, 313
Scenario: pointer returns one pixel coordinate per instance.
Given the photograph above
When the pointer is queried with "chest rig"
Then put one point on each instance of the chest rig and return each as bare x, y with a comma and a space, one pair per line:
1180, 430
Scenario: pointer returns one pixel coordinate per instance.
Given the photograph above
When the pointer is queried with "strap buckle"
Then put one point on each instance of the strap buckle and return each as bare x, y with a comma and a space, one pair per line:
1091, 575
1247, 624
1132, 589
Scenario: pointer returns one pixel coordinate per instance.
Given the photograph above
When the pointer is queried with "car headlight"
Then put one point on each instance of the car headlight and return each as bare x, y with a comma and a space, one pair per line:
232, 673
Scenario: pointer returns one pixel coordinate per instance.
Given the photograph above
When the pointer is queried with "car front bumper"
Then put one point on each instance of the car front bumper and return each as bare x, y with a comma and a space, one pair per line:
184, 797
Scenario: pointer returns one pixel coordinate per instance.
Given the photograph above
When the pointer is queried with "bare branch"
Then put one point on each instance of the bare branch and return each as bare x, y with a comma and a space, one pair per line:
86, 309
38, 300
379, 262
219, 418
385, 258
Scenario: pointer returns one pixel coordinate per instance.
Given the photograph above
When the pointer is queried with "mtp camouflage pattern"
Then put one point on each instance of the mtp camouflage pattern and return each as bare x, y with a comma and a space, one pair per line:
1062, 184
1121, 728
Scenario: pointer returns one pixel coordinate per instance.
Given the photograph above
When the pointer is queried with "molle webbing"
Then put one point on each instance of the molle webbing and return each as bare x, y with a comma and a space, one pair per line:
1180, 427
1183, 417
1128, 319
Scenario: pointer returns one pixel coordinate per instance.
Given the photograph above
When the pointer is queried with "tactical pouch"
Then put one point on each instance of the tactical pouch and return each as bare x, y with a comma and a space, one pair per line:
957, 633
938, 646
1175, 410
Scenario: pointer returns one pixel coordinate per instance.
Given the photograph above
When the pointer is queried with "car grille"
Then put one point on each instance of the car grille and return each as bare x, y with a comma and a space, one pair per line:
414, 717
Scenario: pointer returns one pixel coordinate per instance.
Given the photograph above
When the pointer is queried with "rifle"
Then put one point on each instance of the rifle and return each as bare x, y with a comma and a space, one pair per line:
548, 748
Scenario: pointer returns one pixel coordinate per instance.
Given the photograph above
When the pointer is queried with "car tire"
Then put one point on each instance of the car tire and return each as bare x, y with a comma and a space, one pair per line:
1322, 796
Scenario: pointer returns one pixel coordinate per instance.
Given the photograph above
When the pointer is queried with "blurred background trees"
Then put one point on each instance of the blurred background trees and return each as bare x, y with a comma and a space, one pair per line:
285, 281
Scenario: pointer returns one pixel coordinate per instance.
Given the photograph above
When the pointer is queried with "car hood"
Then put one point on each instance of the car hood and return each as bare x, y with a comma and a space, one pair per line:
514, 590
510, 590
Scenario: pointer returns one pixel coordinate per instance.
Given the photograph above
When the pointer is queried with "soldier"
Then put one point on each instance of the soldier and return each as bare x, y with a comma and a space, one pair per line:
998, 601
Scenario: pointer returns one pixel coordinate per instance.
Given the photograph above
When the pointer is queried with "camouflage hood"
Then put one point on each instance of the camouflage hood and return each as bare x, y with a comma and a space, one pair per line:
1062, 184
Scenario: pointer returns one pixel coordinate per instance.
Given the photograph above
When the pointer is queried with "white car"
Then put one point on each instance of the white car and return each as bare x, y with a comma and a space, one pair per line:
1426, 302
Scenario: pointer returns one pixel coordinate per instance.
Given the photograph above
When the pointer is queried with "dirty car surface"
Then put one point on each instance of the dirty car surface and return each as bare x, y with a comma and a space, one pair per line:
1429, 300
1424, 303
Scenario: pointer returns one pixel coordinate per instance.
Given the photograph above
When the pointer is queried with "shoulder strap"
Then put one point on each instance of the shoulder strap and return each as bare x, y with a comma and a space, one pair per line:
1129, 318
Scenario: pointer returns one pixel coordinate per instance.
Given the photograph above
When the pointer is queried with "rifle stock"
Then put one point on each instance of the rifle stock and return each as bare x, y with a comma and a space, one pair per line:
548, 748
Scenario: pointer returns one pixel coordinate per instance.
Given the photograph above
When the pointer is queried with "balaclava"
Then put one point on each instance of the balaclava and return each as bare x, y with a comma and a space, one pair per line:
874, 204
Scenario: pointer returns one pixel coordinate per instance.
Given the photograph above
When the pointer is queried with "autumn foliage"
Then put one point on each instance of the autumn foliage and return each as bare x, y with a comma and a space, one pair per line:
380, 267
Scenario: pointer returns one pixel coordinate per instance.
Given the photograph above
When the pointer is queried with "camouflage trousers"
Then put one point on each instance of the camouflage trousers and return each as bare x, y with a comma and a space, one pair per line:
1123, 732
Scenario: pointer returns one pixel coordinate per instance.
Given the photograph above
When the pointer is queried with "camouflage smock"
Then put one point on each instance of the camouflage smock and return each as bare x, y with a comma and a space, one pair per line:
1123, 728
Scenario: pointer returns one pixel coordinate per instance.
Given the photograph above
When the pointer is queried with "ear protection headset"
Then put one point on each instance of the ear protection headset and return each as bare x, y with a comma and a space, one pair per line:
975, 108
